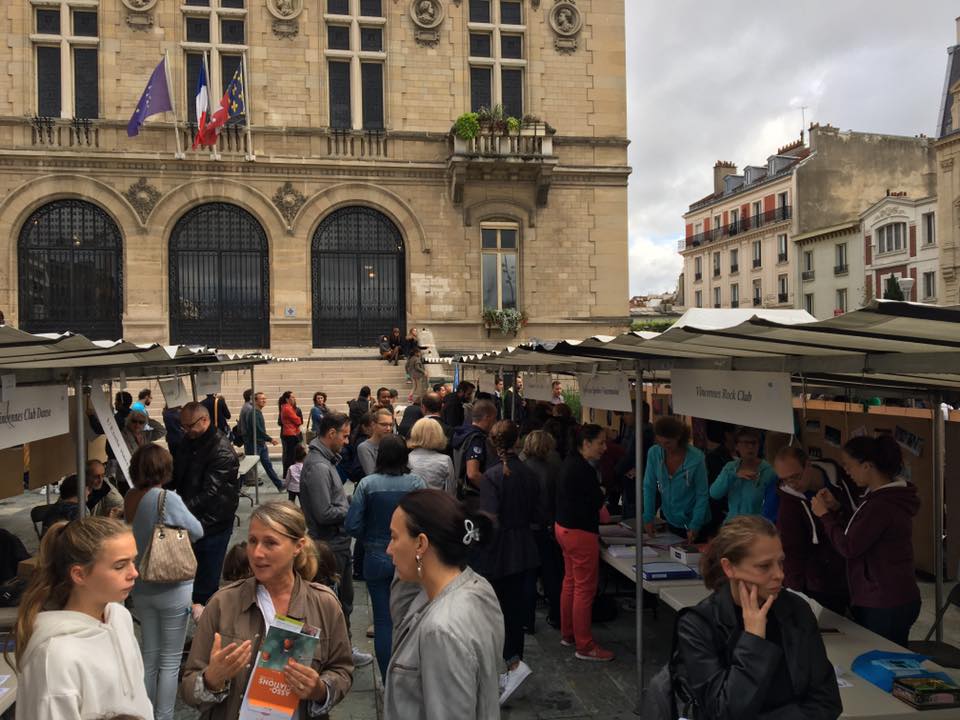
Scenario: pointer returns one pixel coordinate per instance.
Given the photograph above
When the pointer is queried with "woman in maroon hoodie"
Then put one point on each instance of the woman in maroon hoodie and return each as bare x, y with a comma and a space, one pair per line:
876, 538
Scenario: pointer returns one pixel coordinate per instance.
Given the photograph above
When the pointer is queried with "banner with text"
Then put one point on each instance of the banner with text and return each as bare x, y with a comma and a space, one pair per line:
101, 405
207, 382
34, 413
537, 387
755, 399
605, 392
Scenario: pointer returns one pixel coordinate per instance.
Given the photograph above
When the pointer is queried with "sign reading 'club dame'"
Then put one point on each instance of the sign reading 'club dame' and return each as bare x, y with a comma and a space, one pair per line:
755, 399
34, 413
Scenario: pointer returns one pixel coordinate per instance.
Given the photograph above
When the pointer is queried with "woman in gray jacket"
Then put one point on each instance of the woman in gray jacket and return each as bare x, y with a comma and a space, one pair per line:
446, 658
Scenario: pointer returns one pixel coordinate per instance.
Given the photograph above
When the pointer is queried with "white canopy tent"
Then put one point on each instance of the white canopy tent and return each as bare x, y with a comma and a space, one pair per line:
887, 348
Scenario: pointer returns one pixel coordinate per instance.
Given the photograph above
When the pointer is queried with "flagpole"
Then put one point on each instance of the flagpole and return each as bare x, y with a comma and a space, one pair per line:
246, 107
214, 155
173, 105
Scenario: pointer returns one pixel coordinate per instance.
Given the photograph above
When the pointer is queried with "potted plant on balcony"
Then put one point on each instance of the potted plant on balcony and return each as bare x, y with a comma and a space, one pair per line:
484, 118
513, 126
498, 121
508, 321
467, 126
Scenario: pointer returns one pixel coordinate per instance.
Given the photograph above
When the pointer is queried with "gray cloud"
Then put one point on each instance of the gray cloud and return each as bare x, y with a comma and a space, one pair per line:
725, 80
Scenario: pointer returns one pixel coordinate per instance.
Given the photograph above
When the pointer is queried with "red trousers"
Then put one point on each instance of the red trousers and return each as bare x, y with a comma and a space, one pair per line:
581, 564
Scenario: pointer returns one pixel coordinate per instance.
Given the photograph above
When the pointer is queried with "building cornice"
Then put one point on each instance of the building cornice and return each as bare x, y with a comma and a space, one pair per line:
828, 232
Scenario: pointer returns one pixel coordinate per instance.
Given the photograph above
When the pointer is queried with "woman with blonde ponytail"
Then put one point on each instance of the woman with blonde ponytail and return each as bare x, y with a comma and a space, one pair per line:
284, 563
509, 492
76, 654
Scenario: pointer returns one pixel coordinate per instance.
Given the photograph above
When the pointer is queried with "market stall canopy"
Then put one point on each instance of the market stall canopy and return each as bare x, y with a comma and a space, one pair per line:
898, 345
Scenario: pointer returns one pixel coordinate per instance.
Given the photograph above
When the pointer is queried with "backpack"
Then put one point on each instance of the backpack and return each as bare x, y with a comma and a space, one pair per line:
460, 465
236, 435
666, 698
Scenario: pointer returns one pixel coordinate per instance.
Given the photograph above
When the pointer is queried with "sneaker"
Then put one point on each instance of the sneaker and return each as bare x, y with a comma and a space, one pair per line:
513, 680
370, 631
360, 658
567, 642
594, 653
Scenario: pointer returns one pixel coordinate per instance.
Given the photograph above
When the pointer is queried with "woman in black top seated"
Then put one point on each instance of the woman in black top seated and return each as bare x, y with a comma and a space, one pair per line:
753, 649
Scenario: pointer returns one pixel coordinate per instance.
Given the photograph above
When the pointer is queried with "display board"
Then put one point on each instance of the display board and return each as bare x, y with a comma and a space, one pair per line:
11, 472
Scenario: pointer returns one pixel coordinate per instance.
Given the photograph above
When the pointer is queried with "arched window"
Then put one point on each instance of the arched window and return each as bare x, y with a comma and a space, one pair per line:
70, 267
219, 279
358, 278
892, 238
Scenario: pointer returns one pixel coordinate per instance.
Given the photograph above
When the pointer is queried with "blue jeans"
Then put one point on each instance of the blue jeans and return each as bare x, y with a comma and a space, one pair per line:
209, 551
268, 466
378, 574
163, 625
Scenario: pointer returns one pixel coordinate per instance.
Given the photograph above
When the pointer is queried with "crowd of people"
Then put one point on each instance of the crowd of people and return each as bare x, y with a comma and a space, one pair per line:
464, 510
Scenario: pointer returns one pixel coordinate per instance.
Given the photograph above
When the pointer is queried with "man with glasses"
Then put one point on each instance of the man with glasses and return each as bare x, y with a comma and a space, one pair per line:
105, 500
368, 449
206, 475
254, 420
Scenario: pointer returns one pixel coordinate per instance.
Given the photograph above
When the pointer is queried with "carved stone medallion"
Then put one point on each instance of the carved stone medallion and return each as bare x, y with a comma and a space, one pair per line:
139, 5
566, 20
289, 200
427, 16
285, 9
143, 196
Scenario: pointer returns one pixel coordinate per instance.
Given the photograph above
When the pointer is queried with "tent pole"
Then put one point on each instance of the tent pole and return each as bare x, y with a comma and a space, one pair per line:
193, 384
253, 399
939, 458
513, 399
81, 443
638, 520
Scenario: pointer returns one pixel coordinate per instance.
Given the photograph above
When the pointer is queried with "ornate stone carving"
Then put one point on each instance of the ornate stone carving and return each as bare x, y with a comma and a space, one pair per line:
138, 17
289, 200
139, 5
427, 16
890, 212
143, 197
946, 165
285, 29
285, 9
566, 20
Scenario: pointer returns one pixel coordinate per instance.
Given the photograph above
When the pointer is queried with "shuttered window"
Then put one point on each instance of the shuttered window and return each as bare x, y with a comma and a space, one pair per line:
480, 95
372, 85
86, 84
339, 73
48, 81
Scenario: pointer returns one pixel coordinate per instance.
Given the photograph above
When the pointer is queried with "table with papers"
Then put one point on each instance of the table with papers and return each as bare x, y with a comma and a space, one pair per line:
8, 685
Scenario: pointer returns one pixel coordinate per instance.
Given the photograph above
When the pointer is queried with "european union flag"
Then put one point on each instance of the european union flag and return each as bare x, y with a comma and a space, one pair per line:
155, 99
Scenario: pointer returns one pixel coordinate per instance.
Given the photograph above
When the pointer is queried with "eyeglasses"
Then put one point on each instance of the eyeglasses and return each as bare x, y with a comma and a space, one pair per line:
194, 423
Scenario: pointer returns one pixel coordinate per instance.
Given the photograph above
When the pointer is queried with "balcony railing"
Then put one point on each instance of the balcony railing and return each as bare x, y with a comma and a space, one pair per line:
807, 275
54, 132
741, 225
734, 268
841, 269
734, 303
697, 277
716, 305
532, 141
757, 302
782, 298
781, 257
757, 262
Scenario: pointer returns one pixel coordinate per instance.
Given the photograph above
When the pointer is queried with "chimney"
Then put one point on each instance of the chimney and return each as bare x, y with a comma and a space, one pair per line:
958, 30
720, 171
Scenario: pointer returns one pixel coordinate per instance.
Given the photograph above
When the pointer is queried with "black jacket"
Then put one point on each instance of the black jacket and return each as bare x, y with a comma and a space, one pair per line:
579, 495
512, 500
206, 476
730, 672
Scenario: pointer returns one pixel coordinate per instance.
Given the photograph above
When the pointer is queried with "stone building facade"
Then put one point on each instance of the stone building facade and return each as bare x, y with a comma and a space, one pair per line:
783, 221
948, 178
347, 206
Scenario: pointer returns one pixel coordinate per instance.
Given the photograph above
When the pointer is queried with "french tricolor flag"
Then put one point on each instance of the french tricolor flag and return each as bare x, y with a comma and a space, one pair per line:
202, 105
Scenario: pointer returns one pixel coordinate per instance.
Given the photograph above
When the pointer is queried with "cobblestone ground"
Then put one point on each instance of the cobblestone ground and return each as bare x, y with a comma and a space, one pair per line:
560, 687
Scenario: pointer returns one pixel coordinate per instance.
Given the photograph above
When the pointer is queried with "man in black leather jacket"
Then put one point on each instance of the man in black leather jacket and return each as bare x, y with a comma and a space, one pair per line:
206, 475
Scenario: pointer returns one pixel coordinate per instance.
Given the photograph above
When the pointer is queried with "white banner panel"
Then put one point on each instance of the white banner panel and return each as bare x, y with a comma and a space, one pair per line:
207, 382
34, 413
537, 387
755, 399
174, 392
605, 392
101, 405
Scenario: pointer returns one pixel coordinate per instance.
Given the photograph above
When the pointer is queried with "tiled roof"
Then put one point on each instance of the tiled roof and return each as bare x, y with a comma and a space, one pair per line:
945, 123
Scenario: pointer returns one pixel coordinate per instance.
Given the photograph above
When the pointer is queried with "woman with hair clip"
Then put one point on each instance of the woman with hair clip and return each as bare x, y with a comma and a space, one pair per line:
877, 538
446, 656
284, 562
76, 653
509, 493
749, 650
368, 520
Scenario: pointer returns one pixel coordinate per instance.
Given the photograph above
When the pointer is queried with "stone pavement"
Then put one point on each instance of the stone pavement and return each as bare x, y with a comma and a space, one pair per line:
560, 687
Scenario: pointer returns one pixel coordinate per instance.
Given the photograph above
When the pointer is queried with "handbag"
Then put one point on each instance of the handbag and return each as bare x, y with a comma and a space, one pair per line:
169, 557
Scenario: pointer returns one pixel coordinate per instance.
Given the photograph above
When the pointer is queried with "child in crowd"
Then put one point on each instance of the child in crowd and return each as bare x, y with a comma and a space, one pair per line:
291, 481
744, 481
236, 566
76, 653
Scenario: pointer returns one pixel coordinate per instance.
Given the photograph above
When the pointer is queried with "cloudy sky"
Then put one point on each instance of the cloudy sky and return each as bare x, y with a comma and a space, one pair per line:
725, 80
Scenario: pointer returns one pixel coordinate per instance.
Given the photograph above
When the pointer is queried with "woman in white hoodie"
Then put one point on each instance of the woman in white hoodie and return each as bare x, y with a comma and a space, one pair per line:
76, 654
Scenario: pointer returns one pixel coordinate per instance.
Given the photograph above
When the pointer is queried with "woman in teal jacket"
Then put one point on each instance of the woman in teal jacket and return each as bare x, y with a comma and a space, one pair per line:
678, 470
744, 481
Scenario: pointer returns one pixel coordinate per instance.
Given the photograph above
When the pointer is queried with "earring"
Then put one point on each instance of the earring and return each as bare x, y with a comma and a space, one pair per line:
419, 567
